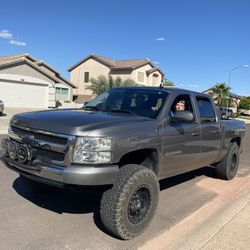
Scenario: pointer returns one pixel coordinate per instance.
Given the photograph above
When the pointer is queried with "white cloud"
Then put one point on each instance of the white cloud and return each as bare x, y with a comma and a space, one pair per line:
156, 63
18, 43
160, 39
5, 34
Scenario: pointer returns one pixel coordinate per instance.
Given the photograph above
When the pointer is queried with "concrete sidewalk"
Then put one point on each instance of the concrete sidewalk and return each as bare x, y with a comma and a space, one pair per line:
222, 224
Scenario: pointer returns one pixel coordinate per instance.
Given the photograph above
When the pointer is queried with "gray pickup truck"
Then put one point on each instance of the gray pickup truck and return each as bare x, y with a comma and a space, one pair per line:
127, 138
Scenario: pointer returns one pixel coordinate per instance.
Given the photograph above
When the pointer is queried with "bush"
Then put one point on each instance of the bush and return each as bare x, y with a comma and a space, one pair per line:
58, 104
245, 103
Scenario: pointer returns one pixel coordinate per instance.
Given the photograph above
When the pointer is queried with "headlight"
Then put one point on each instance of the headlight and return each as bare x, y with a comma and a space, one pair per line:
92, 150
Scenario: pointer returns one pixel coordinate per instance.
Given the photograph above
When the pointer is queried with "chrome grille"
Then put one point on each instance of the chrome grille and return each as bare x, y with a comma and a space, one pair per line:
51, 155
40, 136
47, 146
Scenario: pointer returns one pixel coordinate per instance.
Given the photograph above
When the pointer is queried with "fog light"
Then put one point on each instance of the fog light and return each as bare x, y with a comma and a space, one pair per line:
12, 150
4, 147
23, 153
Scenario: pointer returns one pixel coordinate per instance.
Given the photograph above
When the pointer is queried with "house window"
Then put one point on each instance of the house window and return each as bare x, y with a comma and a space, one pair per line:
140, 76
62, 91
86, 76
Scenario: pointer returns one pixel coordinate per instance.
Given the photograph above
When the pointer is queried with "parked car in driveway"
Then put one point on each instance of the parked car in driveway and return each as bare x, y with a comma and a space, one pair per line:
1, 107
226, 113
127, 138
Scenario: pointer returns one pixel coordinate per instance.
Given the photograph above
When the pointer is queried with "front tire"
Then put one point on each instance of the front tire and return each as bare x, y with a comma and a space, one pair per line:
128, 208
228, 167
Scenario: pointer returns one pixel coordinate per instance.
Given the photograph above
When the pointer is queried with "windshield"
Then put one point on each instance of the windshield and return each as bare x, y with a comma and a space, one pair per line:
142, 102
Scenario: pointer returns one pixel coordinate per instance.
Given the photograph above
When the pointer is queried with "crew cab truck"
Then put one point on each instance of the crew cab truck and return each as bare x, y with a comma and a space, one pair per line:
129, 137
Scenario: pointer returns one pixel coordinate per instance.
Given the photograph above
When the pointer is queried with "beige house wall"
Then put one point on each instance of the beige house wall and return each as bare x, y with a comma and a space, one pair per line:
124, 75
155, 81
77, 75
141, 69
96, 69
148, 79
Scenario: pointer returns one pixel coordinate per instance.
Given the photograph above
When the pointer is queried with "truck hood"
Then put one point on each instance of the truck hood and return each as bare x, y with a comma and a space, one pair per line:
73, 121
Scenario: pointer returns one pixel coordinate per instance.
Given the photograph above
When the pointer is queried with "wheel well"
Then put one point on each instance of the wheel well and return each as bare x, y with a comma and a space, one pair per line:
237, 140
145, 157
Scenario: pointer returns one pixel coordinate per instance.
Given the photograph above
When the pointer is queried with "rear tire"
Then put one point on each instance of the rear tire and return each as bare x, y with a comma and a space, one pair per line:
228, 167
35, 187
128, 208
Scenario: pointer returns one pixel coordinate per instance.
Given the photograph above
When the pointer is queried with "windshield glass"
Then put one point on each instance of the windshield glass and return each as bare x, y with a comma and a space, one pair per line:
142, 102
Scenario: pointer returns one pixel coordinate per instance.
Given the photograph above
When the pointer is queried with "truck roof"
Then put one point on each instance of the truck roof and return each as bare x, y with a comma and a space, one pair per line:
166, 89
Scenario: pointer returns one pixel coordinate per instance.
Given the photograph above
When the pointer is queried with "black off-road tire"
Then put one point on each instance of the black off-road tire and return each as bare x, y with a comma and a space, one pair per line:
129, 206
35, 187
227, 168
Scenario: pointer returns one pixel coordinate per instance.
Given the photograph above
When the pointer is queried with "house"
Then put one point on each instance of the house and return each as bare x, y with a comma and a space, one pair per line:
28, 82
233, 100
142, 71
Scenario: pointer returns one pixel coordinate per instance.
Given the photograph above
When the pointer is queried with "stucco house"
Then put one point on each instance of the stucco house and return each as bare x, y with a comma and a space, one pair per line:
142, 71
28, 82
233, 101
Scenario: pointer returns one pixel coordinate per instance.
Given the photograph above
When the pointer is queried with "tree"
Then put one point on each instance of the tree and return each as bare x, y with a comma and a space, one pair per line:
245, 103
222, 92
102, 83
168, 84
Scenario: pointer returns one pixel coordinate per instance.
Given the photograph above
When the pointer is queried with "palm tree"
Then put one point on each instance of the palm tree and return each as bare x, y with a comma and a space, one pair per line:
98, 85
103, 83
222, 92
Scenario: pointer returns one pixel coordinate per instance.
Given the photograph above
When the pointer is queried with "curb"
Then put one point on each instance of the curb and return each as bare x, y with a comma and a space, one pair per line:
196, 230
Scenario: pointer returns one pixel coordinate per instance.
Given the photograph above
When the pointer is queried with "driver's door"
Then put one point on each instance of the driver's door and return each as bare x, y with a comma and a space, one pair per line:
181, 145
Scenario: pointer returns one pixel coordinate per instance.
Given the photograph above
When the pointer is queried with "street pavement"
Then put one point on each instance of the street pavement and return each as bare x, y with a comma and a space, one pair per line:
67, 219
8, 114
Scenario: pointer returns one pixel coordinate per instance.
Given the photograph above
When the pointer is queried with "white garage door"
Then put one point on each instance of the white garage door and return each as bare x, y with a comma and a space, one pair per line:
24, 95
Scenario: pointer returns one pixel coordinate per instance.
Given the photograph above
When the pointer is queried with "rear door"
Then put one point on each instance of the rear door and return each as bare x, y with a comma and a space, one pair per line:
210, 130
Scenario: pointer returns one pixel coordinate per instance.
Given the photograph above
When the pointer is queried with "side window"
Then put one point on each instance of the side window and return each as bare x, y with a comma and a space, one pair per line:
206, 109
182, 102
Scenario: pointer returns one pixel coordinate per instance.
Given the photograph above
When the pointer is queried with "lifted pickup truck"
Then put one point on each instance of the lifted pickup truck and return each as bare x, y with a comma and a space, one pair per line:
129, 137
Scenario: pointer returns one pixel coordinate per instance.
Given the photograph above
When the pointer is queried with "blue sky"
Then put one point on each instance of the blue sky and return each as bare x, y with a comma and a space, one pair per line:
196, 42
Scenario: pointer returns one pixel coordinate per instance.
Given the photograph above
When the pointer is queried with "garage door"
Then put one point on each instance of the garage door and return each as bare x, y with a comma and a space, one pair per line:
24, 95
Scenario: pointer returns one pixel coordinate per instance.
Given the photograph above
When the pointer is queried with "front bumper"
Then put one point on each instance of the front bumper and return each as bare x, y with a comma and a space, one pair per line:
60, 176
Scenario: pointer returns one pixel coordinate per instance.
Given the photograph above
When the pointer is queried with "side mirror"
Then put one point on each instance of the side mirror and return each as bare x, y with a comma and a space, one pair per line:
182, 116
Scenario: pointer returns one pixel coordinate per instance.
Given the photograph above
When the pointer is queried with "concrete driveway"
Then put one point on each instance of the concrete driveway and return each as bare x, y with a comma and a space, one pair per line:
7, 114
66, 219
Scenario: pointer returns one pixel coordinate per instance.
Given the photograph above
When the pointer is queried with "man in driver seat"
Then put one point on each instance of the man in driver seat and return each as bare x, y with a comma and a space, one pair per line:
180, 105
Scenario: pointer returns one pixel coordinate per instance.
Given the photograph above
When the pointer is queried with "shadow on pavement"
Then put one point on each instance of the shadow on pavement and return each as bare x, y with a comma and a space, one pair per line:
173, 181
88, 201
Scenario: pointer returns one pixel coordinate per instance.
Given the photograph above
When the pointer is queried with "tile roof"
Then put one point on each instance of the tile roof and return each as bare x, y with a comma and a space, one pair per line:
117, 64
7, 60
153, 70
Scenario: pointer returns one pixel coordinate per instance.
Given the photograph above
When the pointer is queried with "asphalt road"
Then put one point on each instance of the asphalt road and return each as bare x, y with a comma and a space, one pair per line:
70, 220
